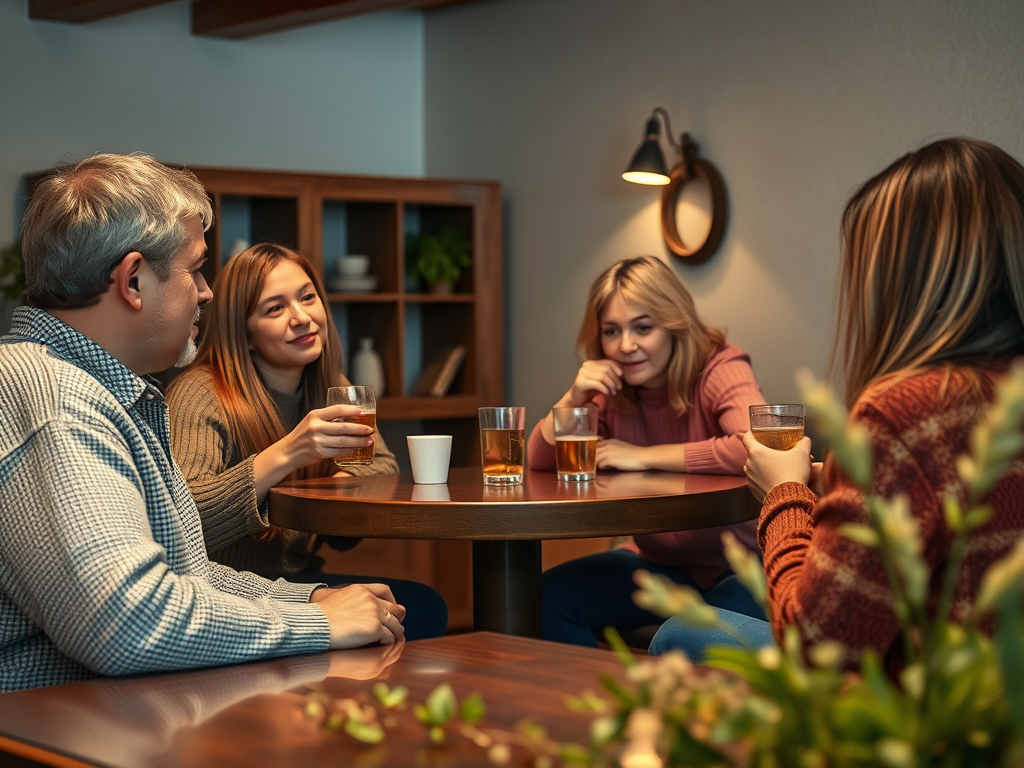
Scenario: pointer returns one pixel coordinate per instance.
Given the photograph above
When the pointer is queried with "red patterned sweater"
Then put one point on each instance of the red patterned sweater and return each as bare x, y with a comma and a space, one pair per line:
833, 588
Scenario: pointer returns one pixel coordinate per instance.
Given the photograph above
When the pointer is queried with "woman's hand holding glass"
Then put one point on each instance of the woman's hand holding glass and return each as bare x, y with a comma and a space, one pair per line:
318, 436
321, 436
767, 468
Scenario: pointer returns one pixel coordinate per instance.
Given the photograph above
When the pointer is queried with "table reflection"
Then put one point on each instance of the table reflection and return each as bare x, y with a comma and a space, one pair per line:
640, 483
144, 720
430, 493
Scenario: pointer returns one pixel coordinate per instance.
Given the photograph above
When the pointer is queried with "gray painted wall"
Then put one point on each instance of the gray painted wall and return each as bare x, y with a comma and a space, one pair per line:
796, 101
344, 96
341, 96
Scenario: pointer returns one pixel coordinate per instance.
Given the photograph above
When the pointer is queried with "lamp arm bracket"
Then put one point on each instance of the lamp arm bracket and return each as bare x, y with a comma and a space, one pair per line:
677, 146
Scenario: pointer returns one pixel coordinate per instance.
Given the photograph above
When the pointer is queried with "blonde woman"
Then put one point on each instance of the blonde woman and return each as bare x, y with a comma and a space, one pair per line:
672, 394
931, 313
250, 412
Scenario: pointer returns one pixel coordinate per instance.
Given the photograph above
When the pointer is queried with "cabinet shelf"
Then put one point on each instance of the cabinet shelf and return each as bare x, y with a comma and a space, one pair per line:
440, 298
341, 298
409, 408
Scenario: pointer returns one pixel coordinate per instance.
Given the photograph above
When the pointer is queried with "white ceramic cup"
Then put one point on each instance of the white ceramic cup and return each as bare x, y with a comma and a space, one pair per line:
352, 265
429, 455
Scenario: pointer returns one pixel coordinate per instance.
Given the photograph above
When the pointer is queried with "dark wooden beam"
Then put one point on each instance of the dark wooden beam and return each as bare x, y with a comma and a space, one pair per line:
83, 11
233, 19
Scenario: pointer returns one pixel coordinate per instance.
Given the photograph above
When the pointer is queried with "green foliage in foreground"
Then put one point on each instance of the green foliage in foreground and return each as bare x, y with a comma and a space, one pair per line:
959, 702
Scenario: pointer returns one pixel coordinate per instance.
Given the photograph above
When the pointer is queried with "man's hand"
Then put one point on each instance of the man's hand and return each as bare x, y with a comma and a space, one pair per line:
360, 614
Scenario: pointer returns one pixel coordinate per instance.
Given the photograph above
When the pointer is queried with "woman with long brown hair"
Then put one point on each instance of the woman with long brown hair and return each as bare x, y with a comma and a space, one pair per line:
672, 394
931, 313
250, 412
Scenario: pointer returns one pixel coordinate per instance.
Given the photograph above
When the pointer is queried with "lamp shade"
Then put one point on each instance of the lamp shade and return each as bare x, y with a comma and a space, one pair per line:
648, 163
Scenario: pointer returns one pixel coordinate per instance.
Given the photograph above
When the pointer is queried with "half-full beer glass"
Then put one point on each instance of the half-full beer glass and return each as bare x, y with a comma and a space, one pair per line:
364, 398
777, 426
503, 444
575, 443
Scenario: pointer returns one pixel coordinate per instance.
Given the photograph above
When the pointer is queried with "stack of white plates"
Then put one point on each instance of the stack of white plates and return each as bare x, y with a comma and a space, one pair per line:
352, 284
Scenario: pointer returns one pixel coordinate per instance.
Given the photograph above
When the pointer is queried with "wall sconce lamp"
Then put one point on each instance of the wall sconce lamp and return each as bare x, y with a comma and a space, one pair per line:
648, 167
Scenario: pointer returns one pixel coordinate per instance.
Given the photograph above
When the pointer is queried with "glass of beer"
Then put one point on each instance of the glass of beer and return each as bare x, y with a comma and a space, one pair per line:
503, 444
575, 443
364, 398
777, 426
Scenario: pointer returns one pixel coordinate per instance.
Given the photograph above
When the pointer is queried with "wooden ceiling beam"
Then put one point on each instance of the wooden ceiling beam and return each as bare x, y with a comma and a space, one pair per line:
235, 20
84, 11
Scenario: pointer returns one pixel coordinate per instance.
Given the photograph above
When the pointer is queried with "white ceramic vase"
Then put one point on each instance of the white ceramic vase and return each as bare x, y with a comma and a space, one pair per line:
368, 368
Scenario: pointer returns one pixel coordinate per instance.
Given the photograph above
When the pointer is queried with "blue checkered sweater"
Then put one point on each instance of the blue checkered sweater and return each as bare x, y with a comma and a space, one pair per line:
103, 570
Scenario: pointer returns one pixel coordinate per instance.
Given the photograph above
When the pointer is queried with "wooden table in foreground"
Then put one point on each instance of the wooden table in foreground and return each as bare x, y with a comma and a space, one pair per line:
252, 714
507, 523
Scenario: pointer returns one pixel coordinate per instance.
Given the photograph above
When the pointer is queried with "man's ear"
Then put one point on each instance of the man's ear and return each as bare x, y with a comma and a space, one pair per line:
126, 279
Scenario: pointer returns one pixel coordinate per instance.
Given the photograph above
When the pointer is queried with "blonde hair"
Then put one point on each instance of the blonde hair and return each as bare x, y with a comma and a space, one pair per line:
252, 416
650, 284
933, 264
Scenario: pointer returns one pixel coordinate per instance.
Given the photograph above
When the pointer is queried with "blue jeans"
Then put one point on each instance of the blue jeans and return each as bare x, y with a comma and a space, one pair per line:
585, 595
674, 635
426, 613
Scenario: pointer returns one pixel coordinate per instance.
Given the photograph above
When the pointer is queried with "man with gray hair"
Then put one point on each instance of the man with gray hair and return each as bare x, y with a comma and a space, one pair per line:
103, 569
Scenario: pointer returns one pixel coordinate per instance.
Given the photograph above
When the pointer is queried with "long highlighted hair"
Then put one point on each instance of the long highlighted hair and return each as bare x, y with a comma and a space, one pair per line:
650, 284
933, 264
224, 351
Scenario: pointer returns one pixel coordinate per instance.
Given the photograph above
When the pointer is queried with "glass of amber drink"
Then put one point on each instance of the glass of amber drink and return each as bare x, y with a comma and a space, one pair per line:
575, 443
503, 444
777, 426
364, 398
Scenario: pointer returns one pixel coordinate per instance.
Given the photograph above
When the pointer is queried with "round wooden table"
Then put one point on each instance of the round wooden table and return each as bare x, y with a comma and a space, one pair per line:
507, 523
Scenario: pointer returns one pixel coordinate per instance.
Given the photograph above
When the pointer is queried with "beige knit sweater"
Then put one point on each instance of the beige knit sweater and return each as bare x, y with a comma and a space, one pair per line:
224, 486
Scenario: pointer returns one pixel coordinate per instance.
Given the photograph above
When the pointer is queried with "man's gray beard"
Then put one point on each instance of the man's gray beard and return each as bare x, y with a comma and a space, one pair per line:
188, 354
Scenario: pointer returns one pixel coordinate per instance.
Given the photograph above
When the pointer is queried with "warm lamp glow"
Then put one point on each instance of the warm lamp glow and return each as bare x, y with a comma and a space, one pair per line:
648, 163
648, 167
646, 177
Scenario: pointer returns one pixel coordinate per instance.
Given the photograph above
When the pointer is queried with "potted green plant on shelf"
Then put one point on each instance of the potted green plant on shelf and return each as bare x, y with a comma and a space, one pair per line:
958, 702
438, 260
12, 272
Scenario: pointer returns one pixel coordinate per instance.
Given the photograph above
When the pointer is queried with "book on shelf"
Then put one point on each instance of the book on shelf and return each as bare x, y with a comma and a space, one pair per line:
438, 375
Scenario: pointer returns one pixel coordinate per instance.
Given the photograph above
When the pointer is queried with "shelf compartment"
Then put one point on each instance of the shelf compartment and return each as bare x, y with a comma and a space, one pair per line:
378, 321
368, 228
422, 219
432, 328
257, 219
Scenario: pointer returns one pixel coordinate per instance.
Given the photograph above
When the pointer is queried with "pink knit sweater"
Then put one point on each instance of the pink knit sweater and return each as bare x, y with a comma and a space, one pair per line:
710, 436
